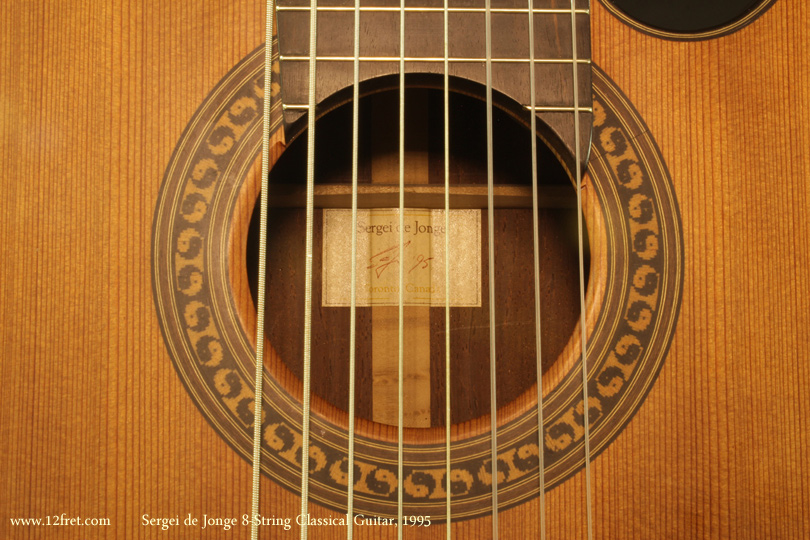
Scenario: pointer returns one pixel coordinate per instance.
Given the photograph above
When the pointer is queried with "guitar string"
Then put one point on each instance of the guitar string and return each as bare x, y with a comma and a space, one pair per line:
401, 309
536, 247
260, 303
353, 305
305, 431
580, 253
308, 273
447, 259
493, 403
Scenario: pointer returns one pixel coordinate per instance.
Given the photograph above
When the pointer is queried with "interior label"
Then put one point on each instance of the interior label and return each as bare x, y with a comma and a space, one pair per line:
424, 258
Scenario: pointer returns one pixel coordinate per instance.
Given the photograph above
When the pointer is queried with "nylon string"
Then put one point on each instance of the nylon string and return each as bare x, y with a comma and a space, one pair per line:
447, 259
536, 239
583, 329
353, 306
305, 431
260, 304
400, 363
493, 402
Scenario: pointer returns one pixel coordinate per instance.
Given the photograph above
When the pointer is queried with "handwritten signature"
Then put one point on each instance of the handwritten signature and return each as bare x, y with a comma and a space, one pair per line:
385, 258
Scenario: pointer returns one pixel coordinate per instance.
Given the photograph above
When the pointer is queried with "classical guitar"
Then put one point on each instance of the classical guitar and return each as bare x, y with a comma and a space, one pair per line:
519, 269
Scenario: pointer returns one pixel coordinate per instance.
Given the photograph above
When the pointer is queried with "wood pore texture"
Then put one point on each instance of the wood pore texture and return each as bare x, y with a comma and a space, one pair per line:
95, 423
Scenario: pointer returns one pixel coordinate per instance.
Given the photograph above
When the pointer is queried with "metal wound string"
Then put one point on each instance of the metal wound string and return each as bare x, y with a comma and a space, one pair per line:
493, 403
583, 329
447, 259
401, 363
536, 239
305, 431
260, 303
353, 305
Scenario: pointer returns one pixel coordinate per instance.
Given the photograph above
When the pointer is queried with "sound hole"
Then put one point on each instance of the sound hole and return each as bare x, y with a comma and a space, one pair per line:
514, 282
686, 16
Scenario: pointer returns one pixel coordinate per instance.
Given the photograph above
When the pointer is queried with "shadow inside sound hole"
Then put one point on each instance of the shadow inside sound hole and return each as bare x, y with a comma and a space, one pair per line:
686, 16
514, 263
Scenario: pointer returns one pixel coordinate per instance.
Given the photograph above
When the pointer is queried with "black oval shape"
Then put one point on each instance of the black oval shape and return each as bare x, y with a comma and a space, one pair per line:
688, 16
